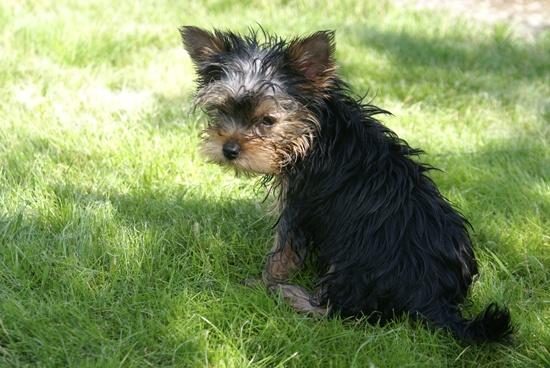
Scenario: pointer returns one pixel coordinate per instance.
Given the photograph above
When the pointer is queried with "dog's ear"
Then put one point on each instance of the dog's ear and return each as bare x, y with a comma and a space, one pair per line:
200, 44
313, 56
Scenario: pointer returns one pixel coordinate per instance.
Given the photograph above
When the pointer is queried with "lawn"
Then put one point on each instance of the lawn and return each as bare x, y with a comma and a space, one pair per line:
121, 246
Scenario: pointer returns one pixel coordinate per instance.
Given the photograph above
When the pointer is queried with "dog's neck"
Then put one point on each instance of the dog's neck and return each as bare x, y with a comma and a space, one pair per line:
350, 142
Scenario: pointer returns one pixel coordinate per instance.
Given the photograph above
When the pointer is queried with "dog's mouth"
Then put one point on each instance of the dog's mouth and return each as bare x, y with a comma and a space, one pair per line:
241, 157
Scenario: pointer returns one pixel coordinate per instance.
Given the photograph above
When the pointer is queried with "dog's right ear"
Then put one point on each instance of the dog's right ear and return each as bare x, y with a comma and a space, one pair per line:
200, 44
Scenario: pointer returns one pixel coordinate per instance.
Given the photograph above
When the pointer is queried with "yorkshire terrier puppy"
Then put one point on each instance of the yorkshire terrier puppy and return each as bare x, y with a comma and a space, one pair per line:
349, 192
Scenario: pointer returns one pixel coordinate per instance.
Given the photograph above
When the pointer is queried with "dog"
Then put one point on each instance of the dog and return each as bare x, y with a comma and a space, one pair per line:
349, 190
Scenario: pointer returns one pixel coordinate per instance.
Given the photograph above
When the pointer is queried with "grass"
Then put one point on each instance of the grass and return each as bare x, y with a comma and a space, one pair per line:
120, 246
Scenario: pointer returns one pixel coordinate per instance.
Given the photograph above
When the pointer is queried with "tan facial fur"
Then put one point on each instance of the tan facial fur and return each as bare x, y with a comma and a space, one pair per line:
263, 149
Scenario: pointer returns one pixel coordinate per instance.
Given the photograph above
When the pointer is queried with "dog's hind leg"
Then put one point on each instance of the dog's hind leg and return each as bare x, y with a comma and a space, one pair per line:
300, 299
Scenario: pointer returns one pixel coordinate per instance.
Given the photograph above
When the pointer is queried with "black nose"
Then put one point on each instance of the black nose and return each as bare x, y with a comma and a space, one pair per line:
231, 150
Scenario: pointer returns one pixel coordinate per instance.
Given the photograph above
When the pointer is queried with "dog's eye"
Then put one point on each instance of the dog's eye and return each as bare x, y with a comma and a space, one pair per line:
267, 120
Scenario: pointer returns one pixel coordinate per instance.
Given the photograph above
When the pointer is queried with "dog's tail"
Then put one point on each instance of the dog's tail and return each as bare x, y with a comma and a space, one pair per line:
493, 324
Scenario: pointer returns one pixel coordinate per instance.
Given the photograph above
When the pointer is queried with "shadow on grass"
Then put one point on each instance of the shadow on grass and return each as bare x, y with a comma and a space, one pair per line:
449, 66
503, 195
124, 262
496, 55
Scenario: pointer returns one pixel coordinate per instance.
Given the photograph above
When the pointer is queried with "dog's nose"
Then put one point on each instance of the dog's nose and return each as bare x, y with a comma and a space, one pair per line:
231, 150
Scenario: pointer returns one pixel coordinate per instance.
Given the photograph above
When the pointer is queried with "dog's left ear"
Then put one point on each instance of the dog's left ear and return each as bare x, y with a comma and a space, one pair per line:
313, 56
200, 44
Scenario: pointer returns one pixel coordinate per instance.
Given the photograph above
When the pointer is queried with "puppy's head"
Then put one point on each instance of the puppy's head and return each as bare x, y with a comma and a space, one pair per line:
260, 96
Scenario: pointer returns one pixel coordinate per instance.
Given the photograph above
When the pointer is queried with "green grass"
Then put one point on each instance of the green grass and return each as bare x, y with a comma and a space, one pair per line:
120, 246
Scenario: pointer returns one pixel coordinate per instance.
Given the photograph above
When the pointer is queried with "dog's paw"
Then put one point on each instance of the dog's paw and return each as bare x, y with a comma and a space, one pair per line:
253, 282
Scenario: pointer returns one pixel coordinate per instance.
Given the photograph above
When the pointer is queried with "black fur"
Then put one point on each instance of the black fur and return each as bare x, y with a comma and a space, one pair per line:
393, 241
388, 243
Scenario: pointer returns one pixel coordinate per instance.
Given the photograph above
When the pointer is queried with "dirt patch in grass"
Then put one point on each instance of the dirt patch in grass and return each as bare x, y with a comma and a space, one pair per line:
529, 17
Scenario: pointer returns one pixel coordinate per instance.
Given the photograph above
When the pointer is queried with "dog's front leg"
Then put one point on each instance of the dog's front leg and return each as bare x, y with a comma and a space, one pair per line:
287, 256
283, 259
300, 299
